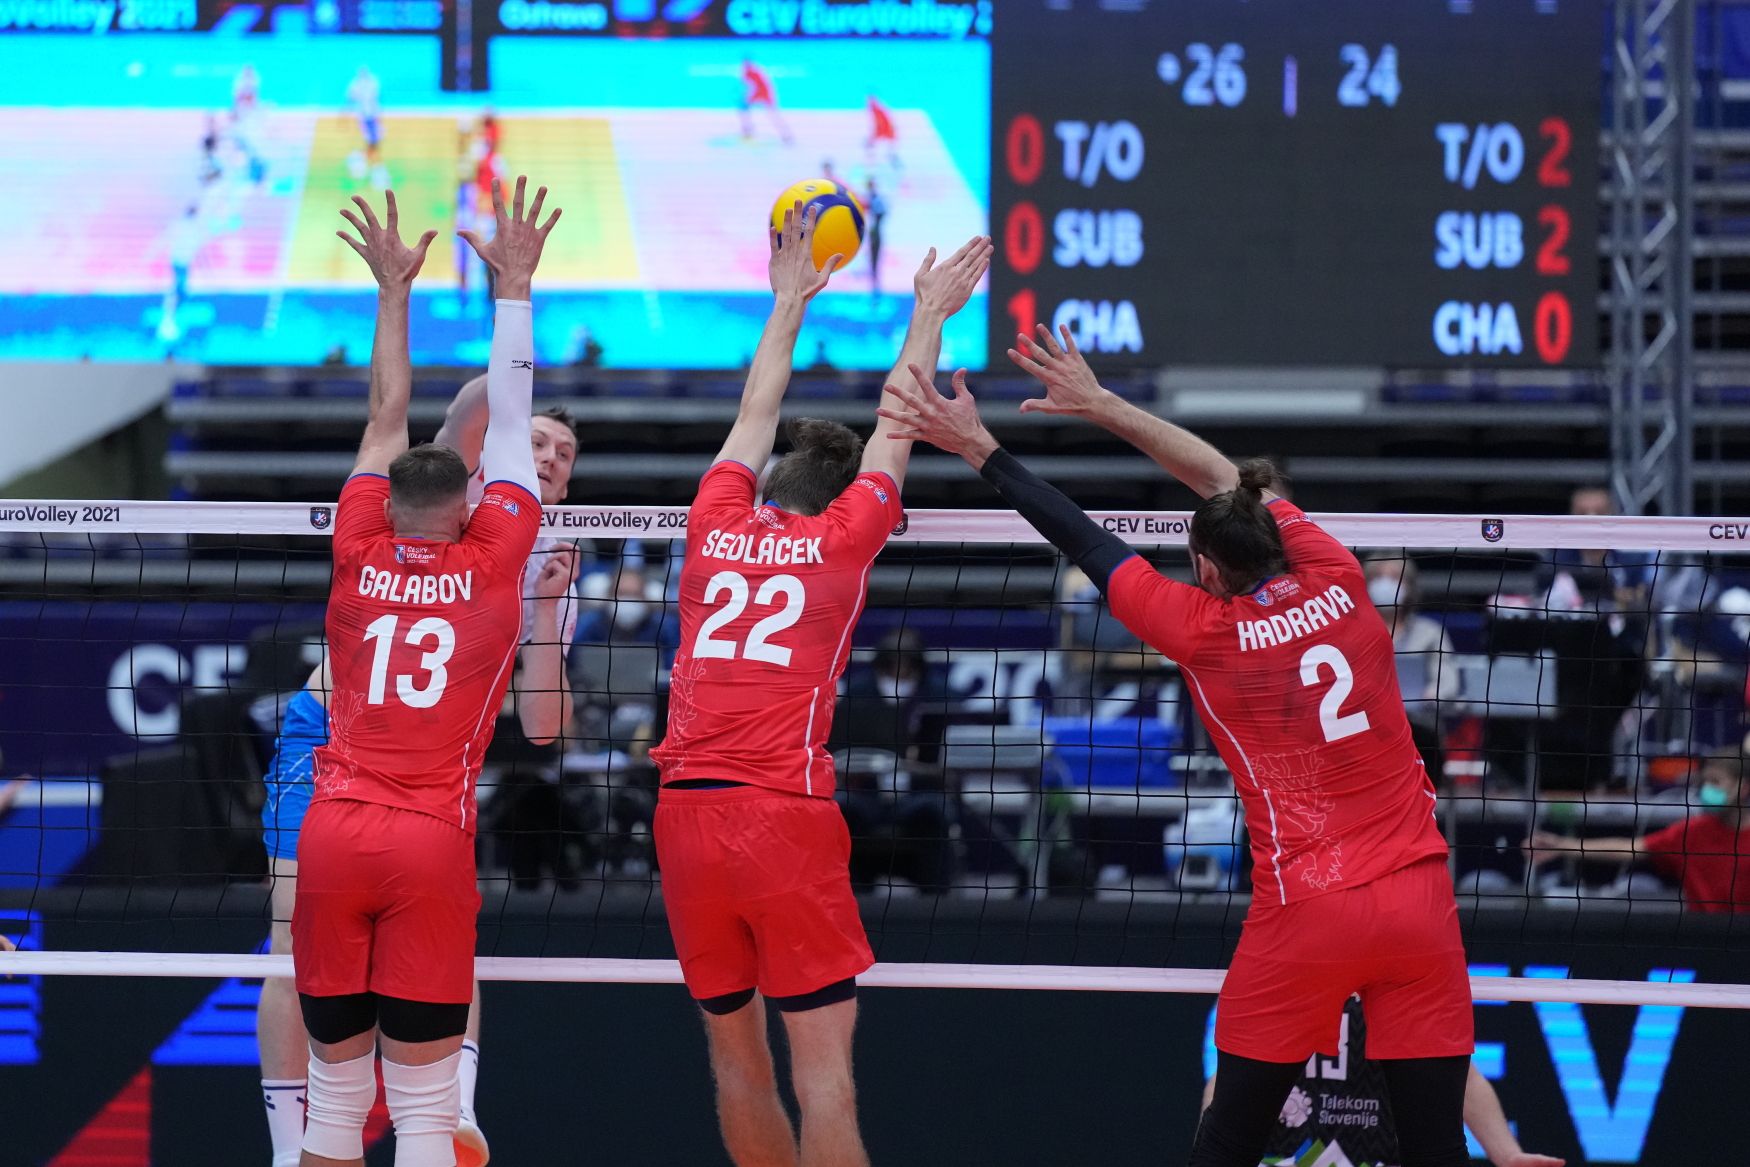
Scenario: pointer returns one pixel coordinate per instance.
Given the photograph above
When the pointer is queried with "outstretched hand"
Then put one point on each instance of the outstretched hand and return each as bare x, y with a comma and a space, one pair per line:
948, 423
792, 264
514, 251
1527, 1159
392, 262
945, 288
1070, 385
1543, 846
557, 574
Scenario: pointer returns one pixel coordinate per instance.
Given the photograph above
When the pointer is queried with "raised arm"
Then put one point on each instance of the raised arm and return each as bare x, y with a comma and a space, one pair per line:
942, 290
513, 253
544, 694
464, 428
952, 424
1072, 389
795, 281
394, 265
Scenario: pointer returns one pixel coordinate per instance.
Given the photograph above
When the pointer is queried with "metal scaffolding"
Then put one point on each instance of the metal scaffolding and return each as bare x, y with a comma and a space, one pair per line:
1650, 144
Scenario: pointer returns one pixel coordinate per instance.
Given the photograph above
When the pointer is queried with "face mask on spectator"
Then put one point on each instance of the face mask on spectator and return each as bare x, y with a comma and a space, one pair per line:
1711, 795
630, 613
1383, 591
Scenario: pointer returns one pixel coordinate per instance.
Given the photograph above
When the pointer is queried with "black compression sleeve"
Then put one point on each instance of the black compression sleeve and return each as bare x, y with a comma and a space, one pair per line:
1088, 545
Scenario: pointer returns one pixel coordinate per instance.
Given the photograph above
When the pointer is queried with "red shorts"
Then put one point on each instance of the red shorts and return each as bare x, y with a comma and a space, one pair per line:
1393, 940
757, 885
386, 904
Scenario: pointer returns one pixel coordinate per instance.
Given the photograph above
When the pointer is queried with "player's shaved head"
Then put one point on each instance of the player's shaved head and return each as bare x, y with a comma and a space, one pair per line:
1236, 533
427, 478
822, 462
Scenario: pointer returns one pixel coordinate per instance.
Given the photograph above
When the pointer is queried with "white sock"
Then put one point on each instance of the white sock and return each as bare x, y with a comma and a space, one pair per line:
340, 1097
425, 1102
284, 1099
468, 1073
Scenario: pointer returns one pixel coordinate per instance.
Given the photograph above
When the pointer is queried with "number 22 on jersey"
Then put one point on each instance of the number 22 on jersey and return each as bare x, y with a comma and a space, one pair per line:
733, 587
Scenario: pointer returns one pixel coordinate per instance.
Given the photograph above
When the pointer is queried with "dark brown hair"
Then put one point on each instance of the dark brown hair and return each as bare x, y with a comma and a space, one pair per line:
1728, 760
562, 415
1237, 533
822, 461
427, 476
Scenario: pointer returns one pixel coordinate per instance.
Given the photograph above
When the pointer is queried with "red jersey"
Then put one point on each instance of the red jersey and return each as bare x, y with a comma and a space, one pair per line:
1298, 688
768, 600
884, 127
421, 636
759, 86
1710, 859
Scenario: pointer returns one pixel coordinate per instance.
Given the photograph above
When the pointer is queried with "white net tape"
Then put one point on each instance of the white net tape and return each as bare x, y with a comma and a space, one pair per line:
1451, 534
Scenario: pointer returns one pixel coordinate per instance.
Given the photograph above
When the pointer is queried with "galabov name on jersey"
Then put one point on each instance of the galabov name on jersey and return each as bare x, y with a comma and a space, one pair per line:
445, 588
777, 550
1293, 623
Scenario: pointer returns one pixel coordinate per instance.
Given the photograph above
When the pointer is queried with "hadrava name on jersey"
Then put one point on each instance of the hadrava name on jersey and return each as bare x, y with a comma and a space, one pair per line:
1303, 620
778, 550
445, 588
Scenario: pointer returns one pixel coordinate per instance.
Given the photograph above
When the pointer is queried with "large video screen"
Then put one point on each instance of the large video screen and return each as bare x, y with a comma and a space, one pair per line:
176, 193
1358, 182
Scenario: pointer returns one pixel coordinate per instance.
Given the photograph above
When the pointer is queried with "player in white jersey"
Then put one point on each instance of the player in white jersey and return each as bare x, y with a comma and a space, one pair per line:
543, 703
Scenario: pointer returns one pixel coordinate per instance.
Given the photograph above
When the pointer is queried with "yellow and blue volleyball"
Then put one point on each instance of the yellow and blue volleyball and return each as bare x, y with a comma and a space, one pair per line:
839, 228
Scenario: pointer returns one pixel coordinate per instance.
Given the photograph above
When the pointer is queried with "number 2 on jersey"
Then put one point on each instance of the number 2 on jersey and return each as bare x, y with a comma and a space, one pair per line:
759, 646
382, 630
1336, 724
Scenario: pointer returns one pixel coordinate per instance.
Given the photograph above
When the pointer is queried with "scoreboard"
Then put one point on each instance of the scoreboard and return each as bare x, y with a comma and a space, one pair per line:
1398, 182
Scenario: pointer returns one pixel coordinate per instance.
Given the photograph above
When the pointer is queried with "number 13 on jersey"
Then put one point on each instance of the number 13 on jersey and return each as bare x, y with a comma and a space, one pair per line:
442, 638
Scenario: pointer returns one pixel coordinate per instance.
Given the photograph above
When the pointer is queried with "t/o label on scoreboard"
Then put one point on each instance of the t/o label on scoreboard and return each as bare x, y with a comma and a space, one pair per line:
1363, 182
1481, 164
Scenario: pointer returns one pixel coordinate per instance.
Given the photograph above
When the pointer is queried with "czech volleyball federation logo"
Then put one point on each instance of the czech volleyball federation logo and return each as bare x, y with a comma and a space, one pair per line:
321, 517
1494, 529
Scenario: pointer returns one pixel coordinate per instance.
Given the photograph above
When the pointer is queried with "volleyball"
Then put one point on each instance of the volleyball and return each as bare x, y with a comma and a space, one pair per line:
838, 230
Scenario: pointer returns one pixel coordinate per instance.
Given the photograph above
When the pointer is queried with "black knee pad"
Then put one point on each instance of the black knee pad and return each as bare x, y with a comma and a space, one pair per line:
845, 990
415, 1021
726, 1004
332, 1020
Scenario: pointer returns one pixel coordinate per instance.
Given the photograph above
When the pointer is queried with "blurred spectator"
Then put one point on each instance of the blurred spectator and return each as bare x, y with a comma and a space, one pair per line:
587, 349
625, 644
1607, 581
898, 821
1592, 611
1426, 672
1707, 853
633, 614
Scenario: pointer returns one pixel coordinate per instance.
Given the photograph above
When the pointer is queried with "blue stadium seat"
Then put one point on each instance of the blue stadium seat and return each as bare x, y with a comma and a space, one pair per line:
822, 389
234, 385
1127, 753
713, 388
343, 387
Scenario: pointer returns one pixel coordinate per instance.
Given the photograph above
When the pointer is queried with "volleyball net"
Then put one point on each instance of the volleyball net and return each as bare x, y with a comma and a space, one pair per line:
1033, 803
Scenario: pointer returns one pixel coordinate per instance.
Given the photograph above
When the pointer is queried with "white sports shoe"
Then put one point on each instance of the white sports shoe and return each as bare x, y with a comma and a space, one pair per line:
471, 1148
